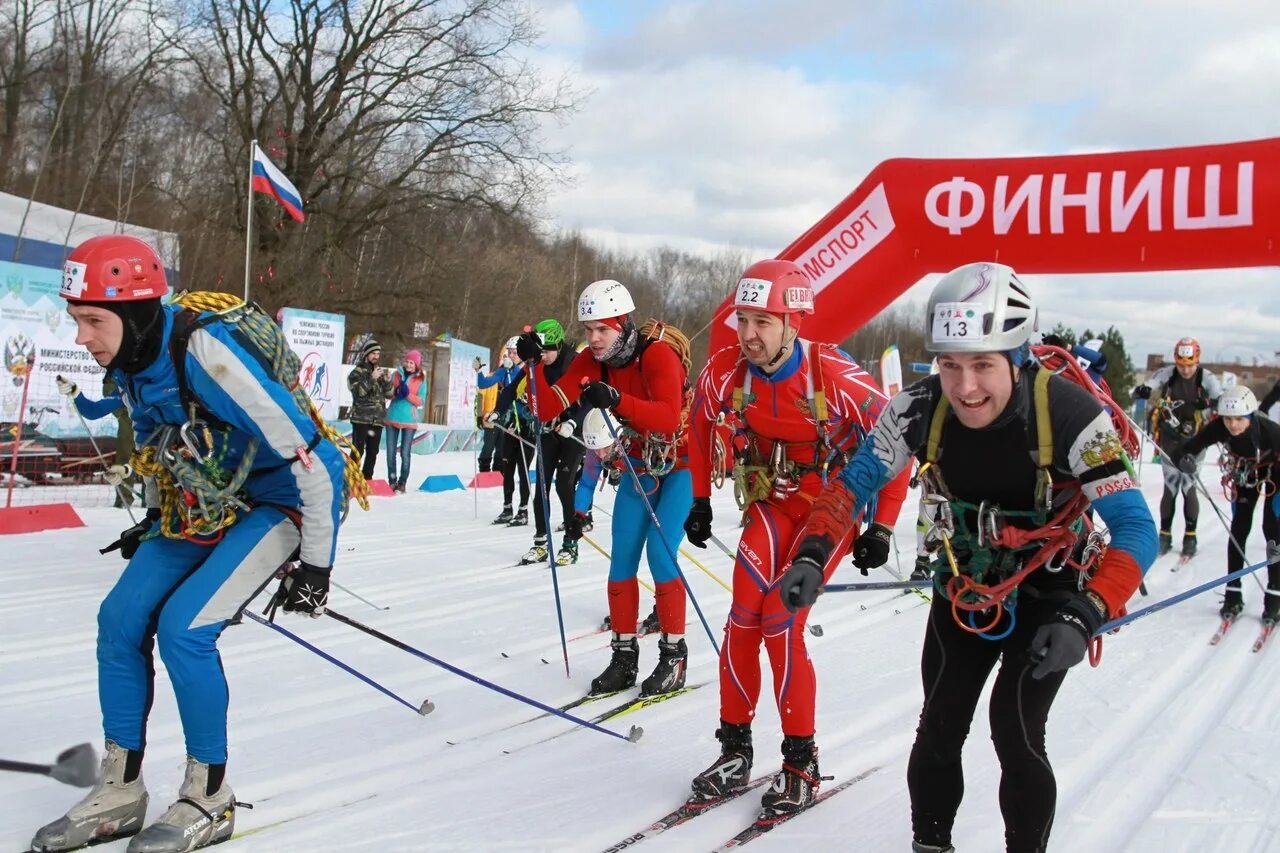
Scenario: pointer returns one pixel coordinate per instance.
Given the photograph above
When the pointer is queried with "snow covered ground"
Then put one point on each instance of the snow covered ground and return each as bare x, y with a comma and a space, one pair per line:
1170, 745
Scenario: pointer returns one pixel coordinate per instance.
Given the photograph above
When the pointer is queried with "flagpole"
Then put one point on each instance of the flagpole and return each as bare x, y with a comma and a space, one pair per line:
248, 234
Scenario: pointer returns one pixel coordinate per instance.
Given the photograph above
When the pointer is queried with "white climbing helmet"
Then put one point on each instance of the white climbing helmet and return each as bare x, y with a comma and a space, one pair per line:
595, 430
982, 307
605, 299
1237, 402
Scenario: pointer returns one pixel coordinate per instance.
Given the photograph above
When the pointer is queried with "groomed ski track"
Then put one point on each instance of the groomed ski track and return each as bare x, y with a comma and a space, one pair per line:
1170, 745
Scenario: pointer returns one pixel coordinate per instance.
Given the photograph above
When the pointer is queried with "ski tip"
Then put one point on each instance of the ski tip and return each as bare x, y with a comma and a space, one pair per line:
635, 734
426, 707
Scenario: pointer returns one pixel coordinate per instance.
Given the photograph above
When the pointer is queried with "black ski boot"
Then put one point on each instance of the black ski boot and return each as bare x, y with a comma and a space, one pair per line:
921, 570
1188, 545
1271, 608
668, 675
1166, 543
731, 771
520, 519
797, 783
504, 517
651, 625
917, 847
622, 669
1232, 606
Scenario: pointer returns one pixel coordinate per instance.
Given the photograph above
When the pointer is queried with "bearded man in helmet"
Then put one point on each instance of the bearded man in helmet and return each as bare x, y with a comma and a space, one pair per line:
1185, 394
181, 588
1252, 442
799, 410
1013, 456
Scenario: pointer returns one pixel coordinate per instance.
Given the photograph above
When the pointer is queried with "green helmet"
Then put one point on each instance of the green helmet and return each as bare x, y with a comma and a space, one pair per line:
550, 332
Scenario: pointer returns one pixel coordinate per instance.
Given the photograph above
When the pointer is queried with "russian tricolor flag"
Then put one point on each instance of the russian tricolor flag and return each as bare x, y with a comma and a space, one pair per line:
270, 180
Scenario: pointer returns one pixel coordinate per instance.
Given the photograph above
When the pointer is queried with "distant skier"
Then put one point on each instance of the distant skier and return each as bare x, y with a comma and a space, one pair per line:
1185, 393
1252, 442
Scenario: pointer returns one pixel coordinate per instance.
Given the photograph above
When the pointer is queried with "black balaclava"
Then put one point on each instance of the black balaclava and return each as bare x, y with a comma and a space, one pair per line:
143, 333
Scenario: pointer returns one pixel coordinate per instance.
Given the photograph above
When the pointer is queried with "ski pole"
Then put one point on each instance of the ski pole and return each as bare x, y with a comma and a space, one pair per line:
77, 766
684, 553
357, 596
594, 544
632, 735
125, 494
425, 708
1182, 596
875, 585
723, 547
653, 516
545, 501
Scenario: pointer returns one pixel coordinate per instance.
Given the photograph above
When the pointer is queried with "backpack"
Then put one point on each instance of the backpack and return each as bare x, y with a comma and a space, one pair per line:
263, 339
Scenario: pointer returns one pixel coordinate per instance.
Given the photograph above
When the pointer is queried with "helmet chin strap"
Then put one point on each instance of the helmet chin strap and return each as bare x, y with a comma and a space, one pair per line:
785, 349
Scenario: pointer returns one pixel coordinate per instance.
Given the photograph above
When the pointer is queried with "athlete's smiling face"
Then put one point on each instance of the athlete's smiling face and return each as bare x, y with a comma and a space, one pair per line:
978, 385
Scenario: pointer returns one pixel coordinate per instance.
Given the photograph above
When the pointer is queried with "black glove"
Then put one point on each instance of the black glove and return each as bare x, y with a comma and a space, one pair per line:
1052, 340
529, 347
1142, 392
1060, 643
303, 590
871, 548
573, 527
600, 395
697, 526
1187, 464
130, 539
801, 583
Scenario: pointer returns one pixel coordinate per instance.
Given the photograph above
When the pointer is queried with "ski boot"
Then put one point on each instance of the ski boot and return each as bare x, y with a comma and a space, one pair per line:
921, 570
1232, 607
587, 523
623, 666
1188, 545
797, 783
114, 808
668, 675
505, 516
650, 625
568, 553
1271, 609
536, 554
731, 771
520, 519
204, 814
1166, 543
917, 847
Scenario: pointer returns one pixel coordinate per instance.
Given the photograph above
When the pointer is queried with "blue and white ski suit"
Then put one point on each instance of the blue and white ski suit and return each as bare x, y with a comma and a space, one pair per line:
183, 593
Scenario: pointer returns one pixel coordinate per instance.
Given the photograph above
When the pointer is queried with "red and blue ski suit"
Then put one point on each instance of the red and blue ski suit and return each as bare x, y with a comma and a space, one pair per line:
651, 389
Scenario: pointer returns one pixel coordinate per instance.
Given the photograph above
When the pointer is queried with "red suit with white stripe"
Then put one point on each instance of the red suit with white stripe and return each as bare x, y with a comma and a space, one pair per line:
776, 409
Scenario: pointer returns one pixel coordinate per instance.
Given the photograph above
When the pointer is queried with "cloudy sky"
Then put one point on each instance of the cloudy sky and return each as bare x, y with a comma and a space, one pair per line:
738, 123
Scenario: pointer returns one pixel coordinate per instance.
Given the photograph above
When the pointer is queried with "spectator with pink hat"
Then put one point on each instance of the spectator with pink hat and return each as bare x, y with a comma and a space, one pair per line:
409, 389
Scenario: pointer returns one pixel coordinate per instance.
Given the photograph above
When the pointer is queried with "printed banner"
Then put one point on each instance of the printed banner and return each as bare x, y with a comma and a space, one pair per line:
462, 382
891, 371
317, 339
1205, 207
34, 325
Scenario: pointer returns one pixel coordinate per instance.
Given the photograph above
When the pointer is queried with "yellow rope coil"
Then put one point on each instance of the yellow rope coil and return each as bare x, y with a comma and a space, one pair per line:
263, 331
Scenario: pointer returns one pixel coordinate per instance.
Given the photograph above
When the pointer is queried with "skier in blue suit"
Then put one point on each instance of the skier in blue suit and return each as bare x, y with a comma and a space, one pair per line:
190, 574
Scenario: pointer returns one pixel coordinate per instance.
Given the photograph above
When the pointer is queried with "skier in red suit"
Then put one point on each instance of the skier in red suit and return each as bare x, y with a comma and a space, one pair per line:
801, 409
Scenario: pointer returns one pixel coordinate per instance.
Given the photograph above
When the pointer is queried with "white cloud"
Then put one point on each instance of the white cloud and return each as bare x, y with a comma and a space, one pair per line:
739, 124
